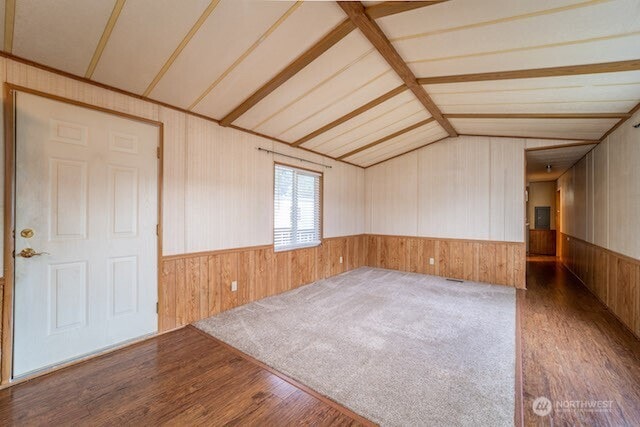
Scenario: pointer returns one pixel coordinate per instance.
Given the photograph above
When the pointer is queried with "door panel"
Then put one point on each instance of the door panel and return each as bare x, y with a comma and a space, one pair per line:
87, 186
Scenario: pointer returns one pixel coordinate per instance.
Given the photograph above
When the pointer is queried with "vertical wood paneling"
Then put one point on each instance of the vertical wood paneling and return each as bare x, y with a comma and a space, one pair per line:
491, 262
613, 278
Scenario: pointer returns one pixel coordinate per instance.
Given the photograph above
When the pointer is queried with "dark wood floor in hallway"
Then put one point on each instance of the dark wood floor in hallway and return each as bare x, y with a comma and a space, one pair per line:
575, 352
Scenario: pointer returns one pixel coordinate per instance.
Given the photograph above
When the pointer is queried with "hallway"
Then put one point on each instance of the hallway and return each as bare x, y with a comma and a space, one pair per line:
575, 352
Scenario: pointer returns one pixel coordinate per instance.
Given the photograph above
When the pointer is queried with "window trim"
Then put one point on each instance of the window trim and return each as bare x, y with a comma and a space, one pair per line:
273, 198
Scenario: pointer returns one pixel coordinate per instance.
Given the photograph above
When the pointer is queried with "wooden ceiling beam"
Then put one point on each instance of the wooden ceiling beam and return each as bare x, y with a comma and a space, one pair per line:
633, 111
104, 38
387, 8
333, 37
537, 116
549, 138
9, 21
556, 147
369, 105
387, 138
356, 12
570, 70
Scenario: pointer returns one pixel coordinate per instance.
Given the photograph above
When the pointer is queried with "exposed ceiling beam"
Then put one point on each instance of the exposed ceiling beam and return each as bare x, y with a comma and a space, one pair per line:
571, 70
406, 152
537, 116
387, 138
617, 125
9, 20
106, 33
550, 138
356, 12
334, 36
369, 105
555, 147
387, 8
187, 38
329, 40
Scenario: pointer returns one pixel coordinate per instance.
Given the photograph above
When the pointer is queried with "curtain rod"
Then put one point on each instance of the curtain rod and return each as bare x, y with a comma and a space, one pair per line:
293, 157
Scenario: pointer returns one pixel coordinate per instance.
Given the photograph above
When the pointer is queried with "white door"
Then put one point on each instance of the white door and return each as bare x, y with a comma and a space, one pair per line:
87, 199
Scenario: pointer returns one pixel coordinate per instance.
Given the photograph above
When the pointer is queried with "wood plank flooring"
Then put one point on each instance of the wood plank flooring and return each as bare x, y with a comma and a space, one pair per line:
179, 378
574, 349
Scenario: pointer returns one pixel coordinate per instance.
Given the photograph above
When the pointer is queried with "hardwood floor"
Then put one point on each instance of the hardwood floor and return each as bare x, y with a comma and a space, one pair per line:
179, 378
574, 349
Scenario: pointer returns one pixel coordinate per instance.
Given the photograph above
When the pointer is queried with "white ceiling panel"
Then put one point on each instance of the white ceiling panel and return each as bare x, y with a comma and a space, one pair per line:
579, 34
343, 67
228, 32
62, 34
357, 96
547, 128
401, 144
298, 33
401, 105
460, 14
610, 93
381, 128
145, 48
560, 159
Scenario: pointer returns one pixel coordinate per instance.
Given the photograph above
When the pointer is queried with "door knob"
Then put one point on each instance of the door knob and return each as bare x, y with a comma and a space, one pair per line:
29, 252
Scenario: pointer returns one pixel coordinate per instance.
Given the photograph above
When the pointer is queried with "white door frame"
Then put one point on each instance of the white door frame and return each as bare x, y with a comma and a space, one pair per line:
9, 211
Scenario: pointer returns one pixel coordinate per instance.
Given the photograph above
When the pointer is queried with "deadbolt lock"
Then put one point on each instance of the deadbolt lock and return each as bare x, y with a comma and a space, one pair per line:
27, 233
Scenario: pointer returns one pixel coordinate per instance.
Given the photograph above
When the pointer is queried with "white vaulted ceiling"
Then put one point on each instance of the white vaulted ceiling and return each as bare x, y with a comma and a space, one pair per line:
221, 57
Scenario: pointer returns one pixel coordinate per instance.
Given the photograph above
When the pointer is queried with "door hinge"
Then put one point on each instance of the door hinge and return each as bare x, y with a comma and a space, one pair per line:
156, 308
158, 152
157, 229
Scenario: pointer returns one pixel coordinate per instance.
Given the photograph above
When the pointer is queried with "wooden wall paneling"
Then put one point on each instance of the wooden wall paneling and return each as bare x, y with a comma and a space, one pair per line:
167, 312
214, 293
283, 272
181, 293
193, 286
611, 277
486, 262
246, 276
542, 242
303, 267
227, 273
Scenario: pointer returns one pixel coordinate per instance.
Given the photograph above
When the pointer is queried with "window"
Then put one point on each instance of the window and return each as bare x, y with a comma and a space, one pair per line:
296, 205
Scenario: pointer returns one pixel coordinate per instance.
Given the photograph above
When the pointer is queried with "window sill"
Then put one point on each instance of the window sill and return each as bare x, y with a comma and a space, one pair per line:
293, 248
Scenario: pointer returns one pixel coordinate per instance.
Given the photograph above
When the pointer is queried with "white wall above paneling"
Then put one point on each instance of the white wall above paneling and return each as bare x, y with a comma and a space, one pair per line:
60, 33
601, 196
466, 188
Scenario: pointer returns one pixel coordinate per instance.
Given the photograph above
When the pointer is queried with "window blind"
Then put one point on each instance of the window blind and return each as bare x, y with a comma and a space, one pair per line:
296, 208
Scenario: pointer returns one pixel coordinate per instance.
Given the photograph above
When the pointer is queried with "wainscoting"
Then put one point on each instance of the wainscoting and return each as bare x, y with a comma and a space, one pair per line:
477, 260
612, 277
542, 242
196, 286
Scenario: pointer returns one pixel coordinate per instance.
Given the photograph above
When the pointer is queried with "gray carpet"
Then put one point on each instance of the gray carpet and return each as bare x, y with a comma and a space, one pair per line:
401, 349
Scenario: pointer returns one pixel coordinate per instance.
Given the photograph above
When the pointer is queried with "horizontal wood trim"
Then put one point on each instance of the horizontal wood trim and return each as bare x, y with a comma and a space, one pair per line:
369, 105
500, 263
150, 100
538, 116
571, 70
612, 277
387, 138
549, 138
555, 147
542, 242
